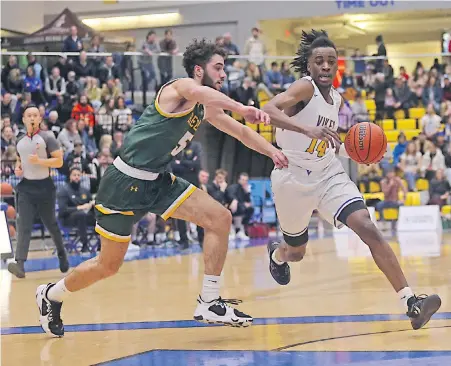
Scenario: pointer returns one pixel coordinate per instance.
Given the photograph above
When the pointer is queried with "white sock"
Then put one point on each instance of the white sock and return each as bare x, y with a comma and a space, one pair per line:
274, 258
210, 288
58, 292
150, 237
405, 294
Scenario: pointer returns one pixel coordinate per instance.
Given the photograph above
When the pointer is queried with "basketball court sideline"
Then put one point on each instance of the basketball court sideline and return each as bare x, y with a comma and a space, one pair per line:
338, 310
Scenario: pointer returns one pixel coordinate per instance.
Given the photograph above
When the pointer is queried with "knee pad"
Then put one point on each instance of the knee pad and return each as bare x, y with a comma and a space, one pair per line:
296, 241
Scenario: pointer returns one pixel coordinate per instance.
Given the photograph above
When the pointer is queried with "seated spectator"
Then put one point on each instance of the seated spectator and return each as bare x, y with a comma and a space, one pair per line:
253, 72
230, 47
369, 77
14, 83
389, 103
22, 103
122, 115
433, 160
76, 158
239, 196
386, 162
9, 158
75, 206
53, 123
55, 86
403, 96
287, 76
33, 85
419, 79
400, 148
439, 141
104, 117
432, 94
346, 116
63, 108
430, 122
273, 79
379, 98
103, 161
83, 68
87, 137
63, 66
369, 173
439, 189
246, 94
118, 140
410, 165
8, 138
446, 88
93, 92
217, 188
150, 220
235, 76
403, 73
42, 111
359, 109
10, 65
73, 87
347, 80
421, 142
68, 136
8, 105
109, 71
83, 110
110, 90
391, 186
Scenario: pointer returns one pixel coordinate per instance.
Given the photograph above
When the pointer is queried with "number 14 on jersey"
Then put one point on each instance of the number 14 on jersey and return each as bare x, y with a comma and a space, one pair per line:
318, 146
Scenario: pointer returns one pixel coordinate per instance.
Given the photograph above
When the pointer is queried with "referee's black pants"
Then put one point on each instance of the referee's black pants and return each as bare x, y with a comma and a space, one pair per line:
36, 197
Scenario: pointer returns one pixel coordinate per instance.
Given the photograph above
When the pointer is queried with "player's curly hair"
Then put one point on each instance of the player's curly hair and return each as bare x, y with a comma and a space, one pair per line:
310, 41
199, 53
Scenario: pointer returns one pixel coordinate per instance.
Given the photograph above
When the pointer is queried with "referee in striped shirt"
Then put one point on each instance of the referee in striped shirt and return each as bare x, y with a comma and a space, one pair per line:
38, 151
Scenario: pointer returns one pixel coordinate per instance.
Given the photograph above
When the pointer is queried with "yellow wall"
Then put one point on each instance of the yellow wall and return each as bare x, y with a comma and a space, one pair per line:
395, 51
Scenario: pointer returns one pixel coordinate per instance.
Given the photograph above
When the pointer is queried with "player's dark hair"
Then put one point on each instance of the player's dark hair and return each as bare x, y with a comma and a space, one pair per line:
199, 53
31, 105
310, 41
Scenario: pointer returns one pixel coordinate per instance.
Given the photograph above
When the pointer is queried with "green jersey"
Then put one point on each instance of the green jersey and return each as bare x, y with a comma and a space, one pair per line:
159, 136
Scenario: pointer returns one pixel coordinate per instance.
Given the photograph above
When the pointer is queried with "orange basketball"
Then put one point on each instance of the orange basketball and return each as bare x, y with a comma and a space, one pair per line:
366, 143
12, 231
11, 212
7, 189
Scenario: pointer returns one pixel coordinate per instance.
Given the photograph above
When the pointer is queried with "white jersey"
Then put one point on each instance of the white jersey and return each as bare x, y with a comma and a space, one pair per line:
302, 150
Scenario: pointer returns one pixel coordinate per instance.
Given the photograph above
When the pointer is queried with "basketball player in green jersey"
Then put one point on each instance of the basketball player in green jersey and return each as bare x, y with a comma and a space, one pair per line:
138, 182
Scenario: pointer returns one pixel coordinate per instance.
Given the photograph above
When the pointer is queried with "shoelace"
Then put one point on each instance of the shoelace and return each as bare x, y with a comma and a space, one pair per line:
414, 310
225, 302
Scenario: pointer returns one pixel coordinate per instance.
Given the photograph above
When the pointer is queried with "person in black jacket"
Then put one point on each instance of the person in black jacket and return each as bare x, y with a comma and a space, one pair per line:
217, 188
187, 165
75, 206
239, 196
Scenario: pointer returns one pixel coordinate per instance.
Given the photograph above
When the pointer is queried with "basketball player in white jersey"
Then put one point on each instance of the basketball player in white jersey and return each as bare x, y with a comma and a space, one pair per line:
306, 117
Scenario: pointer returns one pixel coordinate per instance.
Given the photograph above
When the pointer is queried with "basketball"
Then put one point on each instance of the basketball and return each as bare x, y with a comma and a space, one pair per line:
12, 231
7, 189
366, 143
11, 212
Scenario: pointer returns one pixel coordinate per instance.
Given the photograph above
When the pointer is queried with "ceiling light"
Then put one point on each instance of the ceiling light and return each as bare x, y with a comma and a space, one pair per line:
354, 28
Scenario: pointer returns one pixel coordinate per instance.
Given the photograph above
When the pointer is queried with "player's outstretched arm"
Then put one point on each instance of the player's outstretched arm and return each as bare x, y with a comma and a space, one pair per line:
209, 97
247, 136
300, 90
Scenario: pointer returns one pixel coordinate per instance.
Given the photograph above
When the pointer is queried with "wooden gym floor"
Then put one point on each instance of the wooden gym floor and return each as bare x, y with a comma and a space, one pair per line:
337, 310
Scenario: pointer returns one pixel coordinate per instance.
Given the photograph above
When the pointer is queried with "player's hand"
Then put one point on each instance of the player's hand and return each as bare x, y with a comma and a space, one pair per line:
33, 159
254, 115
279, 159
325, 134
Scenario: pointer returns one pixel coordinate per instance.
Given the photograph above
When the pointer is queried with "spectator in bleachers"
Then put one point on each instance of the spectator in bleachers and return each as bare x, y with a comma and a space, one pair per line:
96, 47
104, 117
167, 45
400, 148
381, 51
439, 141
69, 136
73, 88
430, 122
287, 77
433, 160
389, 73
23, 102
346, 116
109, 71
83, 110
6, 122
122, 115
118, 140
439, 189
150, 220
14, 83
39, 71
63, 66
10, 65
410, 165
273, 78
217, 188
379, 96
219, 41
110, 90
239, 198
9, 158
64, 109
93, 92
55, 85
231, 48
369, 173
83, 68
389, 103
75, 205
421, 142
359, 65
446, 119
149, 48
253, 72
256, 49
446, 88
33, 85
432, 93
104, 160
87, 137
73, 43
8, 105
391, 186
403, 73
403, 96
76, 158
8, 138
235, 77
246, 94
359, 109
369, 77
42, 111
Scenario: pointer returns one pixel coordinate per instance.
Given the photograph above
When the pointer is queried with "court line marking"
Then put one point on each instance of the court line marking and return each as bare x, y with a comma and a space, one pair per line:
351, 336
194, 324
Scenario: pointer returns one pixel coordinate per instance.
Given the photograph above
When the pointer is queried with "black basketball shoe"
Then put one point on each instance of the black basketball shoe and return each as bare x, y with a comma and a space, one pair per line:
49, 312
421, 308
280, 272
220, 312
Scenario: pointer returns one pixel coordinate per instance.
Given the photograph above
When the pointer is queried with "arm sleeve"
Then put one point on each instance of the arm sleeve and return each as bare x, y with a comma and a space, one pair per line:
51, 142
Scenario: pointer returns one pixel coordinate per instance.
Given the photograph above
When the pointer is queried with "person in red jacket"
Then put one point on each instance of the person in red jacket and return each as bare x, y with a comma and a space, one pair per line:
84, 110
